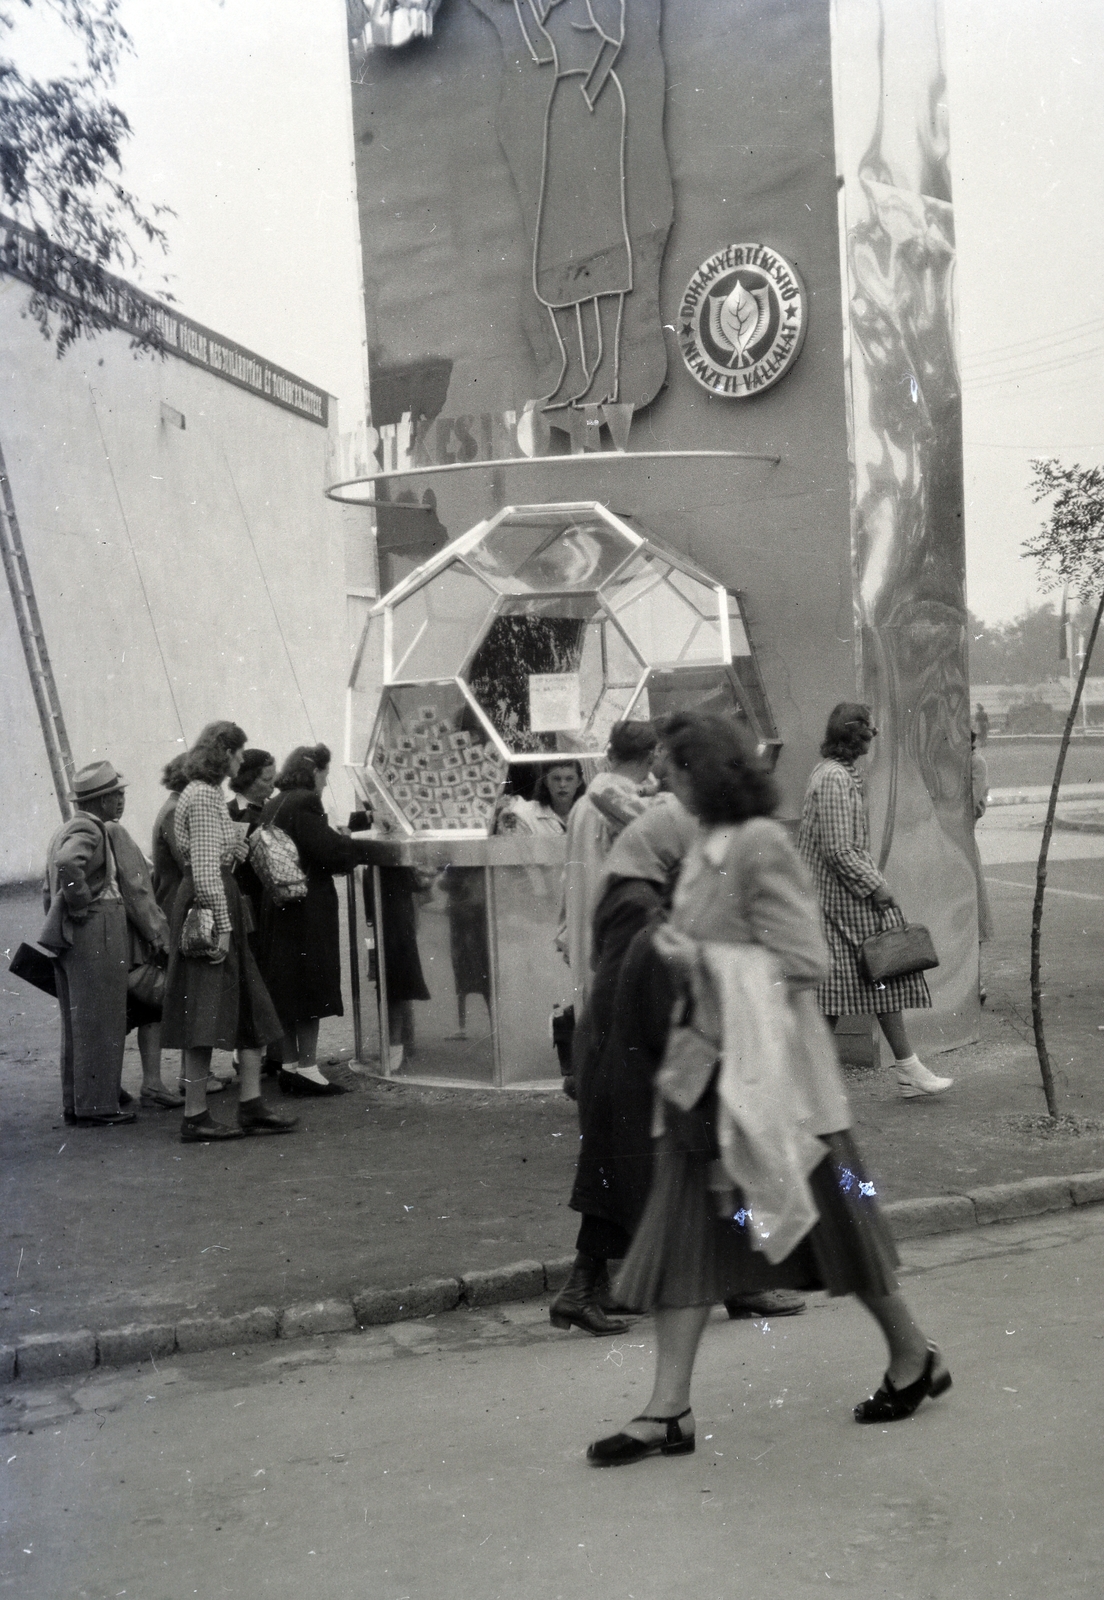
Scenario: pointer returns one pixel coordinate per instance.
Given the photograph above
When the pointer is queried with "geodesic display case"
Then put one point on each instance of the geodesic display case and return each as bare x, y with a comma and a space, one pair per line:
524, 641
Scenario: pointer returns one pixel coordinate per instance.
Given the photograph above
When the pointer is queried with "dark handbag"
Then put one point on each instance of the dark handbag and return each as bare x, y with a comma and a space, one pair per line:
147, 984
34, 967
896, 952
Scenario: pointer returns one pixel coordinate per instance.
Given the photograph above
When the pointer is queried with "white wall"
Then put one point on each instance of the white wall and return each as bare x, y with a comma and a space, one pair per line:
182, 575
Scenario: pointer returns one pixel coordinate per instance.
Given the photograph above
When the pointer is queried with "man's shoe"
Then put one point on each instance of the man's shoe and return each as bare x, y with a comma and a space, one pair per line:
767, 1303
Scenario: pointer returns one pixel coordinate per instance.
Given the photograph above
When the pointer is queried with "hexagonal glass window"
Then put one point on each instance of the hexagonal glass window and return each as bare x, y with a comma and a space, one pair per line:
668, 616
532, 551
553, 674
433, 629
434, 761
670, 689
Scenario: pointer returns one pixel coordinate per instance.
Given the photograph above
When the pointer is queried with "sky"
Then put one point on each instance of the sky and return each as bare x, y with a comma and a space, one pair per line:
242, 119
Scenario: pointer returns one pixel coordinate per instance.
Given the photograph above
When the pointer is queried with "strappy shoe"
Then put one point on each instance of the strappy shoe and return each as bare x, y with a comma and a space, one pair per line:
621, 1448
891, 1404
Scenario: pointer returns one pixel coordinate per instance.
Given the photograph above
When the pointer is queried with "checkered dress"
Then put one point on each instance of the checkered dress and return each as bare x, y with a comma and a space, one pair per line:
835, 846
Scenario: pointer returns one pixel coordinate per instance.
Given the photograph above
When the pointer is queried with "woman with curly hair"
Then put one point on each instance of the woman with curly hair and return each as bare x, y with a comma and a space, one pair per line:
216, 1000
854, 897
299, 948
757, 1182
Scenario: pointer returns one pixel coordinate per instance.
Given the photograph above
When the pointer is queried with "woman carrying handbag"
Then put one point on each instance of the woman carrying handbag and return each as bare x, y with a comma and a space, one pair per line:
854, 898
215, 997
757, 1182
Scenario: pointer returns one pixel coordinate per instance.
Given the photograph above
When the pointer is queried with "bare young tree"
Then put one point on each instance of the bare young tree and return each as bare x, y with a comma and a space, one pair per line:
61, 143
1069, 549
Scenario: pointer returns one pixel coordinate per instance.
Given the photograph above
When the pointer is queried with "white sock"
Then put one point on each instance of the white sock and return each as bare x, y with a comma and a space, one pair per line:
312, 1073
908, 1061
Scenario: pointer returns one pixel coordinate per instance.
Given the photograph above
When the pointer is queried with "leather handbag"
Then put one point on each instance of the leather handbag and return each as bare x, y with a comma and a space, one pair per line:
897, 952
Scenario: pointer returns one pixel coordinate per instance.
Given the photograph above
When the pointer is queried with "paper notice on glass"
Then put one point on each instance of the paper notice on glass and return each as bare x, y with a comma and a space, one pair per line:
554, 702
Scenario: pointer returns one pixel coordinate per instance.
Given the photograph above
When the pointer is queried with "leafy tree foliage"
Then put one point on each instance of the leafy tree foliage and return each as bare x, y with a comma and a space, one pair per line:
61, 143
1022, 651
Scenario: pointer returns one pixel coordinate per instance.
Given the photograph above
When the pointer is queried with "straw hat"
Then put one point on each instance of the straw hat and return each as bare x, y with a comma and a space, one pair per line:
99, 778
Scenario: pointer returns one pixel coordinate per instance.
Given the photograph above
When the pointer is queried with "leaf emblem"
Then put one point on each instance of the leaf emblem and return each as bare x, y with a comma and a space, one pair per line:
736, 321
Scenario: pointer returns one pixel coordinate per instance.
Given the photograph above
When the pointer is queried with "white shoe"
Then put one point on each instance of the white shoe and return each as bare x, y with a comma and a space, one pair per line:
915, 1080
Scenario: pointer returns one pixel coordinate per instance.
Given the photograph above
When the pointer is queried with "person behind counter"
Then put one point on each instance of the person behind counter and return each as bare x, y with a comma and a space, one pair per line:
560, 784
299, 948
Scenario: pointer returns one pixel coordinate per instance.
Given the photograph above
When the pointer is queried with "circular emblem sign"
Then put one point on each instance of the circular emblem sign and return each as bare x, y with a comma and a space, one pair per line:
742, 320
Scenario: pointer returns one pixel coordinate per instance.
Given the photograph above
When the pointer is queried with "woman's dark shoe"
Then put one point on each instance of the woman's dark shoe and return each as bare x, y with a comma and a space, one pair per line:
577, 1305
204, 1130
620, 1449
255, 1117
295, 1083
891, 1404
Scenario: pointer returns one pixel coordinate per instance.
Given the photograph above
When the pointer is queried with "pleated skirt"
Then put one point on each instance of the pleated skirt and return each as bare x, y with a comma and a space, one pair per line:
683, 1254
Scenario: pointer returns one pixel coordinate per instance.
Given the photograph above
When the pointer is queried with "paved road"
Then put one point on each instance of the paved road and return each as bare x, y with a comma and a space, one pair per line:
443, 1460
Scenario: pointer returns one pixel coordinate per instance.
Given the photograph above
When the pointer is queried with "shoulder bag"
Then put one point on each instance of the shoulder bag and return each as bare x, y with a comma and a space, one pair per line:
275, 859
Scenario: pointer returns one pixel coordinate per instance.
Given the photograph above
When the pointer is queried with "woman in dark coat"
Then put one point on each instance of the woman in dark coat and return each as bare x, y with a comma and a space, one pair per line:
168, 861
252, 789
299, 948
614, 1064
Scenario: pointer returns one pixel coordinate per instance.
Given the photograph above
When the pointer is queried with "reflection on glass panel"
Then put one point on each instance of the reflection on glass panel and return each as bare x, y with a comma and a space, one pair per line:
751, 685
690, 689
639, 575
737, 631
613, 706
538, 679
532, 977
700, 595
435, 946
366, 682
435, 760
661, 625
623, 665
439, 624
530, 553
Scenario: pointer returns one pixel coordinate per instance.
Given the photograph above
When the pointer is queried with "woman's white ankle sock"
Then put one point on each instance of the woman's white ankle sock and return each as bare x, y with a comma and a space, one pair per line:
312, 1074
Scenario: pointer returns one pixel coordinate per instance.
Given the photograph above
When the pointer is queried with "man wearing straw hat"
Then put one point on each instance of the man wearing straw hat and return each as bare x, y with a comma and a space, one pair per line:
86, 928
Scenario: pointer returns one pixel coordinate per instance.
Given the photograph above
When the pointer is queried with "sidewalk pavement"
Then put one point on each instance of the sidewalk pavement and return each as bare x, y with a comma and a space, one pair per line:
122, 1243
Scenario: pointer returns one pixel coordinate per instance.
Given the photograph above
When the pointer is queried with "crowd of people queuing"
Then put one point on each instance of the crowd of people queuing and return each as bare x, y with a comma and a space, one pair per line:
121, 930
711, 957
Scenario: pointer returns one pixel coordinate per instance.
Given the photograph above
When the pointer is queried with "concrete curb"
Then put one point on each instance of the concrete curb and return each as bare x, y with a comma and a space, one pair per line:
54, 1355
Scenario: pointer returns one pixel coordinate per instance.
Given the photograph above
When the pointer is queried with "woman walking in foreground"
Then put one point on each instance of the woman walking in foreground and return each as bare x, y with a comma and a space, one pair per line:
757, 1181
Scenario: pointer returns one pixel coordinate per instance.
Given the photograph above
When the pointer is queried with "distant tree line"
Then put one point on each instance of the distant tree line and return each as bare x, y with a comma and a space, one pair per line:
1025, 650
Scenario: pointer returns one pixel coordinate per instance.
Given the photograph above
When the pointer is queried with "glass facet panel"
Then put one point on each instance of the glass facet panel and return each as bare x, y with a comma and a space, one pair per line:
435, 761
523, 554
737, 632
431, 926
530, 980
538, 679
365, 687
690, 689
435, 628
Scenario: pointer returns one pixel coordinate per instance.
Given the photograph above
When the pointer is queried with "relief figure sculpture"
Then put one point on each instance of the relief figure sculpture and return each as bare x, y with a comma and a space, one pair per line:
580, 122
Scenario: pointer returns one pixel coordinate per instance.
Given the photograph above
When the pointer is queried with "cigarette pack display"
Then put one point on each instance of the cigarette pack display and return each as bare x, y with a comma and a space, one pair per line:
422, 761
402, 791
427, 714
433, 809
463, 808
425, 791
459, 741
471, 774
486, 790
436, 747
452, 760
392, 776
450, 808
464, 791
405, 742
412, 808
448, 780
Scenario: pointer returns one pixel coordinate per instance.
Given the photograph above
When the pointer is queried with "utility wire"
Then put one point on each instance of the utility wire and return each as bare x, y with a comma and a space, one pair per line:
137, 564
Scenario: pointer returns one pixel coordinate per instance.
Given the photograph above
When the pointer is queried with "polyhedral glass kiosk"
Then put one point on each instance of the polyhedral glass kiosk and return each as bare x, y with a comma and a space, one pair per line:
518, 645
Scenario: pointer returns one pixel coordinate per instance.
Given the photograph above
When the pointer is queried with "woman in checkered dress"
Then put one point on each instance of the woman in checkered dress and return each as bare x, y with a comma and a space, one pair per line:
853, 895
